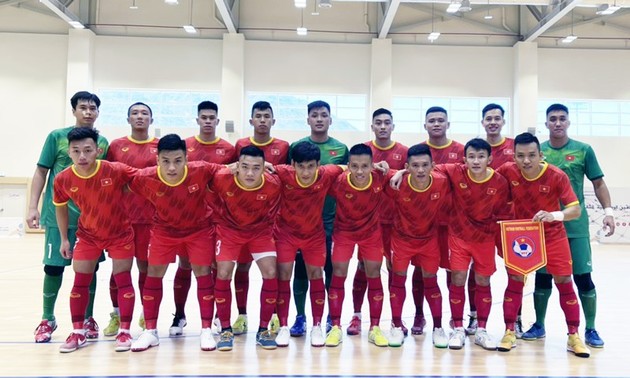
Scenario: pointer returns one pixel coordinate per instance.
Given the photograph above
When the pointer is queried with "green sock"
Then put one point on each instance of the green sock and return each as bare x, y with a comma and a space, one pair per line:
541, 300
589, 305
300, 287
51, 289
89, 311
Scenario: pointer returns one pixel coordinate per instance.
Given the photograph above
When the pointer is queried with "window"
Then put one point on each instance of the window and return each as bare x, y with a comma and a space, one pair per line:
591, 117
348, 111
170, 108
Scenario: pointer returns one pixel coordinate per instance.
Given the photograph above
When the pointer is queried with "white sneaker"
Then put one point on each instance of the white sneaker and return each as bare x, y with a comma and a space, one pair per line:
484, 340
317, 336
282, 339
206, 340
177, 328
457, 339
216, 326
147, 339
396, 337
440, 340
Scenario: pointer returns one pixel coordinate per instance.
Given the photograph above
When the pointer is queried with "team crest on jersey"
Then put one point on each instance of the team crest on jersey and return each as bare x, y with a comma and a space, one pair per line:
153, 150
74, 189
289, 187
317, 187
261, 197
377, 189
159, 194
191, 149
406, 199
397, 157
515, 183
124, 149
569, 158
491, 191
332, 153
220, 151
452, 155
229, 194
349, 195
435, 196
544, 189
275, 151
106, 182
463, 185
508, 152
193, 188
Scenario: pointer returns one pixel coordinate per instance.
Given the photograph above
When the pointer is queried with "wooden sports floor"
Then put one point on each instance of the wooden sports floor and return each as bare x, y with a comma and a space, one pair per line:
20, 311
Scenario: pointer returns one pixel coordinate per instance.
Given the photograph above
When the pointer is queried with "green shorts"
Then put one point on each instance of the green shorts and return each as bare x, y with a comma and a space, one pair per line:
581, 256
52, 244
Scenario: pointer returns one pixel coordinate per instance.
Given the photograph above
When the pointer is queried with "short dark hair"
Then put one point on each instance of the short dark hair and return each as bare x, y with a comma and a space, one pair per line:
171, 142
84, 96
418, 150
139, 103
555, 107
380, 111
253, 151
360, 149
80, 133
436, 109
305, 151
262, 105
317, 104
479, 145
489, 107
207, 105
526, 138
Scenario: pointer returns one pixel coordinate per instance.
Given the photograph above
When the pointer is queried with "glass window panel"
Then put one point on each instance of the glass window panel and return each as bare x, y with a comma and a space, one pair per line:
407, 103
606, 118
465, 104
605, 106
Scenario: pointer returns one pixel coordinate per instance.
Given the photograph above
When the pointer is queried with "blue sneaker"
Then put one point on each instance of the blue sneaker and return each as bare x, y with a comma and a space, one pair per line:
298, 328
328, 324
226, 341
534, 333
592, 338
266, 340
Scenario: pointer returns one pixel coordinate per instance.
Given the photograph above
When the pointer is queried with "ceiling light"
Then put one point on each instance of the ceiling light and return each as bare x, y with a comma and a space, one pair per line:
433, 36
171, 2
300, 3
453, 7
465, 7
190, 29
569, 38
302, 31
605, 9
488, 16
133, 5
325, 3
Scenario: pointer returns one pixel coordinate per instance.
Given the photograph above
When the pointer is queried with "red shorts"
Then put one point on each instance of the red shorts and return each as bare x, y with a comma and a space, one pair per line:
386, 234
196, 247
86, 248
141, 239
343, 247
482, 254
443, 243
559, 262
498, 243
424, 253
313, 248
231, 243
244, 257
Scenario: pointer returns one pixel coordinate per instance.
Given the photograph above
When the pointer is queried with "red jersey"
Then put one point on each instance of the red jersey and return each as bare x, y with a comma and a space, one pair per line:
98, 196
218, 151
546, 192
502, 153
137, 154
301, 213
276, 150
246, 209
477, 205
452, 152
396, 156
416, 211
181, 208
357, 209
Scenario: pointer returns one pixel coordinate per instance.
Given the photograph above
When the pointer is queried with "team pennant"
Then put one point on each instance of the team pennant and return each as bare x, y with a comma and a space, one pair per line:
523, 245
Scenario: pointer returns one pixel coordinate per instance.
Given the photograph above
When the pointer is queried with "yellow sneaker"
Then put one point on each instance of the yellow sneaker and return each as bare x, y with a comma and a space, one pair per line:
240, 325
577, 347
274, 324
333, 338
377, 338
507, 342
113, 326
141, 322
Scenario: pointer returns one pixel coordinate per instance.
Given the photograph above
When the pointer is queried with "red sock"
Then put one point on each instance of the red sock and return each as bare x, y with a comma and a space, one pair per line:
79, 297
397, 294
126, 298
181, 287
151, 299
483, 299
434, 299
223, 299
375, 299
511, 302
268, 299
457, 299
142, 278
336, 293
241, 288
113, 291
205, 296
472, 284
318, 299
570, 306
417, 290
284, 300
359, 287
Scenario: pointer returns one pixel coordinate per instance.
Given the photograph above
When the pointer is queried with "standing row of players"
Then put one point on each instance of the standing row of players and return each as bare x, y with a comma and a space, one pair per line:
319, 119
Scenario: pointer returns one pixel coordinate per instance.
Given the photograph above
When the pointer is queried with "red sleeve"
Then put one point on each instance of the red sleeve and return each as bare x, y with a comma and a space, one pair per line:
60, 197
